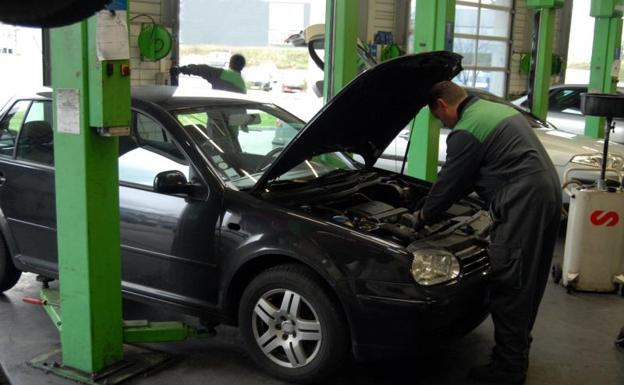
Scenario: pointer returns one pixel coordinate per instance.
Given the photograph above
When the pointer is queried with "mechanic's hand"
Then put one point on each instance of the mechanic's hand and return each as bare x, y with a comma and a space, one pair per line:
419, 220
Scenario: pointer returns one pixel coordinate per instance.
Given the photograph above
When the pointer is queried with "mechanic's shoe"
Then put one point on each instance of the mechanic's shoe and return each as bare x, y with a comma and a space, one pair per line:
497, 374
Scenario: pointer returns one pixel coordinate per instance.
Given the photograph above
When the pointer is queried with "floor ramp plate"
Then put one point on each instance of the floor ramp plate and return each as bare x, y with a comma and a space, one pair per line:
136, 361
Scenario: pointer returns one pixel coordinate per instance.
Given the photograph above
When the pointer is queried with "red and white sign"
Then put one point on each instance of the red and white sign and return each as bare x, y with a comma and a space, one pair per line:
602, 218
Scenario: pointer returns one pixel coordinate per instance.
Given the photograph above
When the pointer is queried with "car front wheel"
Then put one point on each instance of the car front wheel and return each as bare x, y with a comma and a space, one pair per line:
292, 328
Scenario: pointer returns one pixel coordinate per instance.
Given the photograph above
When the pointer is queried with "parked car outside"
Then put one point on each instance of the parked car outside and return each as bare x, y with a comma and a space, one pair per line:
219, 59
577, 156
293, 80
564, 110
310, 254
261, 77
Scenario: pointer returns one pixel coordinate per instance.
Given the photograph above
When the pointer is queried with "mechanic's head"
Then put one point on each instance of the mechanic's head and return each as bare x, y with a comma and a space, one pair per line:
237, 62
444, 98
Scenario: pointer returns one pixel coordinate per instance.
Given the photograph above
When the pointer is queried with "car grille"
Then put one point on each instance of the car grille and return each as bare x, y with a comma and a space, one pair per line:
473, 259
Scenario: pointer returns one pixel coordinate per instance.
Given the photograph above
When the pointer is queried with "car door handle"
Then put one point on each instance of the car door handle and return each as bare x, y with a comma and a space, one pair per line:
2, 179
234, 226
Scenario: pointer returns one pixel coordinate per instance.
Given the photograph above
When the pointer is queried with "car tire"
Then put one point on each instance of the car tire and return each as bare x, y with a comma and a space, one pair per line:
9, 274
287, 313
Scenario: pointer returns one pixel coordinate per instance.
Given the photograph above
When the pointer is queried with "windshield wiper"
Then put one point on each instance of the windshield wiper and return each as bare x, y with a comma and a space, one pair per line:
334, 174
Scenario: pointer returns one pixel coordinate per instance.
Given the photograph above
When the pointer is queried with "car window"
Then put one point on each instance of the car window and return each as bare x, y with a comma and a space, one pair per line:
265, 133
10, 126
242, 141
149, 151
35, 138
566, 100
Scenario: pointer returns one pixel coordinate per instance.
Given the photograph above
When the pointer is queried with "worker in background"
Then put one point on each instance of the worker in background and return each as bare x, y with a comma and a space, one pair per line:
493, 150
220, 78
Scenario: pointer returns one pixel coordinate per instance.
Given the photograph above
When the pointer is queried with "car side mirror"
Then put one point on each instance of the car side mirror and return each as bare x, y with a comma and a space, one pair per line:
171, 182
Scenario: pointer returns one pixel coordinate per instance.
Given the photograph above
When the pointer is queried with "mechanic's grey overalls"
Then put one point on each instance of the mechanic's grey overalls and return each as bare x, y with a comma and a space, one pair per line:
493, 150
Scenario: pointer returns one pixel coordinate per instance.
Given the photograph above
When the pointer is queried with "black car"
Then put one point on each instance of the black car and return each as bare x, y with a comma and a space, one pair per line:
310, 253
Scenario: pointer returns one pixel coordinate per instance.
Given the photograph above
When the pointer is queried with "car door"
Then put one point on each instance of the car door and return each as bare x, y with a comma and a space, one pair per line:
27, 194
167, 241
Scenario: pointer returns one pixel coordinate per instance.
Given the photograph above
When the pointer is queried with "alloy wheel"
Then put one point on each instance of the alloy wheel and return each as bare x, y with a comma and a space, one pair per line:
286, 328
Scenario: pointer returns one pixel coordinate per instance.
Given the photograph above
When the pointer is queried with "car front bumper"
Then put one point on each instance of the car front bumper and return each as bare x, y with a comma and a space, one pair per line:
390, 320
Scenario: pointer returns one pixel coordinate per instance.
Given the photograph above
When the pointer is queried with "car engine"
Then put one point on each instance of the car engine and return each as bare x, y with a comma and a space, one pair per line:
386, 209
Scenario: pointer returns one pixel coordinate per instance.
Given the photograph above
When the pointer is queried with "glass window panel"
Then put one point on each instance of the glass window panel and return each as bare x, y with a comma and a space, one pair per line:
35, 140
465, 78
492, 53
500, 3
151, 152
566, 101
494, 23
466, 19
466, 48
10, 126
492, 81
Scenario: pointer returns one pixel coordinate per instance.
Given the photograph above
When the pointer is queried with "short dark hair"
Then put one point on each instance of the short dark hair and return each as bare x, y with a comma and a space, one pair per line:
447, 91
237, 62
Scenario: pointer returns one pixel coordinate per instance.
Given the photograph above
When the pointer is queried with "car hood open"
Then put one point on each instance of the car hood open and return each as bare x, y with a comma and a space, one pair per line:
369, 112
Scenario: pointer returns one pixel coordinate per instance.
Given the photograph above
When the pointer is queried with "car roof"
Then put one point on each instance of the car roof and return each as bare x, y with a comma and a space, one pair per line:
168, 97
576, 85
171, 97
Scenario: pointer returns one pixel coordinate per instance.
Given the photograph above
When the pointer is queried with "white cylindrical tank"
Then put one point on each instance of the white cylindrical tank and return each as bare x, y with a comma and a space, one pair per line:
594, 247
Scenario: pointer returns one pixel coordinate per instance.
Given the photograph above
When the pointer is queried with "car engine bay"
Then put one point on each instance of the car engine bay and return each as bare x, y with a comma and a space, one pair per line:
384, 206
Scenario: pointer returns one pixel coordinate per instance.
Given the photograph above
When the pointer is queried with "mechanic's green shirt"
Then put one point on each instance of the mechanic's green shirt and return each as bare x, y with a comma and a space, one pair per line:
491, 145
219, 78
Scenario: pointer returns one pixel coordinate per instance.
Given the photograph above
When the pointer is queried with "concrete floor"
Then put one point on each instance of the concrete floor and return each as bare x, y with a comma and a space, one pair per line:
573, 345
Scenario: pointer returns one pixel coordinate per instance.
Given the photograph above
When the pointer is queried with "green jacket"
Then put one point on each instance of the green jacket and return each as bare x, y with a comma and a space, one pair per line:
219, 78
491, 146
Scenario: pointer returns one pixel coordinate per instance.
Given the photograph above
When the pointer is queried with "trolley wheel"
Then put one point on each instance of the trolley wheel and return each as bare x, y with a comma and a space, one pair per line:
569, 289
557, 273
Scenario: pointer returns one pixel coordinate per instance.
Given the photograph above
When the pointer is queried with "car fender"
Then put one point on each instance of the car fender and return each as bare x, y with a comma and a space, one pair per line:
261, 234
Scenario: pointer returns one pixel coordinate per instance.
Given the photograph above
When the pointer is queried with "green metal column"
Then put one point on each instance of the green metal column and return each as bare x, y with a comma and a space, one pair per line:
341, 30
87, 196
543, 61
605, 61
433, 31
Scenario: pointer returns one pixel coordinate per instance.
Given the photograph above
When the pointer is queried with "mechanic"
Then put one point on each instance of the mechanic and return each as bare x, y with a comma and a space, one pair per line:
220, 79
493, 150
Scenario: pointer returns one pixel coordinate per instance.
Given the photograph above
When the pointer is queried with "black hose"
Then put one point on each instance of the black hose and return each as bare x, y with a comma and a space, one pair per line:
605, 151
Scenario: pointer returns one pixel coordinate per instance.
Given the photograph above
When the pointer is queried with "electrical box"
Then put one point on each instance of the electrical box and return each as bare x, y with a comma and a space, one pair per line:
594, 248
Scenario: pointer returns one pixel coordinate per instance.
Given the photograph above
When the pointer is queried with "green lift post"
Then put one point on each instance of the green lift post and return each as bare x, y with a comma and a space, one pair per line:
341, 28
543, 61
433, 31
605, 61
87, 198
91, 107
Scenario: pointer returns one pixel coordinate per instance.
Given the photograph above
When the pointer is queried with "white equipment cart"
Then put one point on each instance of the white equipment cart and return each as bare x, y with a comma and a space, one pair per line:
594, 249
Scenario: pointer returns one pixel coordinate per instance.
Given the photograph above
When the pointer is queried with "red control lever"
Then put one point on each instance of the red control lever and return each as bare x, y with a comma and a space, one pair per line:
34, 301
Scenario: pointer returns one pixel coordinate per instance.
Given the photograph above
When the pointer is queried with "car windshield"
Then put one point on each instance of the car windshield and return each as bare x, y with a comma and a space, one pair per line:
242, 141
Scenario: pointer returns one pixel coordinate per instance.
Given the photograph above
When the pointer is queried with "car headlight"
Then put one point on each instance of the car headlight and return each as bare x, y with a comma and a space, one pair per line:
615, 162
431, 267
